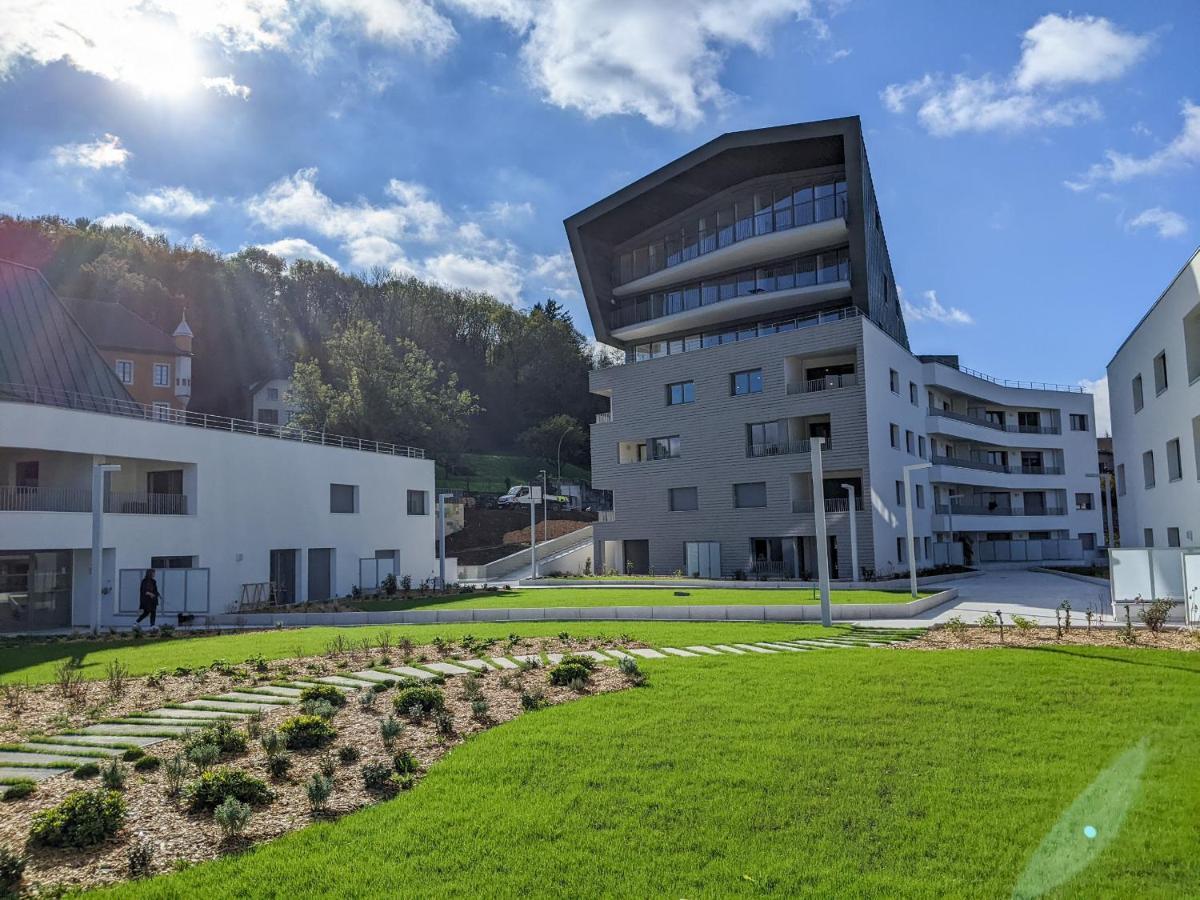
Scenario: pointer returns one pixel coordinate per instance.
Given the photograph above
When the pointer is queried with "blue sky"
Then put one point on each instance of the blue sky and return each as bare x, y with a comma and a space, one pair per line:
1036, 166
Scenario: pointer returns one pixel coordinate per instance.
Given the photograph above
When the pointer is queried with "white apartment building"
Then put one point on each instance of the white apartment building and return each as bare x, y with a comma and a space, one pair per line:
271, 401
1154, 393
228, 511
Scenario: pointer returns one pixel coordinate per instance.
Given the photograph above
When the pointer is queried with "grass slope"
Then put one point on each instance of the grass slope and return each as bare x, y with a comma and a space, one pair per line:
870, 773
35, 661
605, 596
488, 472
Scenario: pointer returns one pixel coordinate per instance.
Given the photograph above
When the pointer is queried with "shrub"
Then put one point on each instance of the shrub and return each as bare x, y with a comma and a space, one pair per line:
480, 710
443, 722
1023, 623
231, 816
317, 789
327, 766
390, 729
203, 756
955, 625
326, 692
303, 731
566, 672
376, 777
586, 661
133, 754
1154, 616
419, 701
318, 708
147, 763
271, 741
221, 734
404, 762
366, 701
18, 791
139, 856
348, 755
210, 789
401, 782
175, 770
86, 770
12, 869
531, 700
278, 763
987, 620
628, 666
84, 818
112, 774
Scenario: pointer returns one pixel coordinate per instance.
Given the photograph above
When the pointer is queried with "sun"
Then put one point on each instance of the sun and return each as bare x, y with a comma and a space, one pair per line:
165, 64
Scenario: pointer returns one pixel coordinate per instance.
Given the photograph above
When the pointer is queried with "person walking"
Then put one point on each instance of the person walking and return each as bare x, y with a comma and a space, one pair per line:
148, 597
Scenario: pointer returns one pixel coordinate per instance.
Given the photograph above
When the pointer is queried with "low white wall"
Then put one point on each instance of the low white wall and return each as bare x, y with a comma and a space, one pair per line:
893, 584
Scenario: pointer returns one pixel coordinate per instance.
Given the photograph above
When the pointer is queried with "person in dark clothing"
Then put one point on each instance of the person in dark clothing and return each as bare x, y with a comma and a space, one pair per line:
148, 597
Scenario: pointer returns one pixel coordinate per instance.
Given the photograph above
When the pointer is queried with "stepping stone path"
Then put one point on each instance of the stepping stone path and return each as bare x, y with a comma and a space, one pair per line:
37, 760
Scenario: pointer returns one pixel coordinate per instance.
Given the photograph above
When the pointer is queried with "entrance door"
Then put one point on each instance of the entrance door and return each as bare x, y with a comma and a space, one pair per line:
283, 576
320, 574
637, 557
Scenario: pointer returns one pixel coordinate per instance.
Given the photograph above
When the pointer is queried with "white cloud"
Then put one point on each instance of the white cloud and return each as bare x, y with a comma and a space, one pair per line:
554, 274
502, 278
129, 220
1099, 389
1057, 51
224, 84
506, 213
659, 60
99, 154
1168, 224
291, 249
172, 202
934, 311
1182, 152
1060, 50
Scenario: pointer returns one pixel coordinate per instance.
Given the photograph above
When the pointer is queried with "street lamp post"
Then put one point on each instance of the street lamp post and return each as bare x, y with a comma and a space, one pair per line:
99, 470
532, 534
818, 480
908, 517
849, 489
442, 498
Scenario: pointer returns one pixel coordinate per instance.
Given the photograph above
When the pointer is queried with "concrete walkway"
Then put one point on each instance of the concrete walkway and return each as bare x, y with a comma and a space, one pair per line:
41, 758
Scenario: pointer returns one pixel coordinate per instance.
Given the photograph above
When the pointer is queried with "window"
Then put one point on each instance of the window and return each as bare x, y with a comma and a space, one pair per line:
1191, 343
912, 393
1084, 501
920, 489
1160, 373
1172, 536
895, 433
1147, 537
763, 438
681, 392
1079, 422
27, 473
899, 493
750, 495
162, 411
909, 442
921, 446
683, 499
418, 503
162, 375
1137, 393
927, 540
1148, 468
165, 481
1087, 540
748, 382
900, 549
125, 371
343, 498
664, 447
1121, 480
1174, 461
272, 393
894, 379
268, 416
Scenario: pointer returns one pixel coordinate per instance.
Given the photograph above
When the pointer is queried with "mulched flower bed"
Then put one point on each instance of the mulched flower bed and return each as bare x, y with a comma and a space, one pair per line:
974, 637
179, 836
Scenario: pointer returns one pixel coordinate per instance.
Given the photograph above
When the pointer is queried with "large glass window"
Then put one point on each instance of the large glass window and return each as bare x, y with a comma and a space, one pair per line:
35, 590
750, 495
763, 438
681, 392
748, 382
683, 499
664, 447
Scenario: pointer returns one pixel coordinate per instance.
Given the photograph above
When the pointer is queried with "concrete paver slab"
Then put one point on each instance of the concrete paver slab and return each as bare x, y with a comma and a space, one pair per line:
410, 672
707, 651
675, 651
503, 663
446, 668
646, 653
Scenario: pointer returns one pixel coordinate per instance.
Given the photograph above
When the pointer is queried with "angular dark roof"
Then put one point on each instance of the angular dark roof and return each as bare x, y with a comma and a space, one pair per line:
43, 347
112, 326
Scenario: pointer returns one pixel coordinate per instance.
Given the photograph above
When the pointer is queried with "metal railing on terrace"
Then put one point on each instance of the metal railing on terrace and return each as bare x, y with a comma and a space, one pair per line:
977, 509
1007, 382
782, 448
984, 466
995, 426
832, 505
22, 393
65, 499
603, 418
828, 383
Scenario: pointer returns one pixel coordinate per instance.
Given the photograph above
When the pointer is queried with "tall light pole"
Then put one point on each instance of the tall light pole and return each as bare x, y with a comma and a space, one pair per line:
818, 478
532, 534
908, 516
442, 498
99, 470
545, 514
849, 489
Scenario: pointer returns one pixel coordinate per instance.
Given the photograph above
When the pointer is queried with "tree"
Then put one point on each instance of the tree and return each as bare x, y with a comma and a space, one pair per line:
545, 438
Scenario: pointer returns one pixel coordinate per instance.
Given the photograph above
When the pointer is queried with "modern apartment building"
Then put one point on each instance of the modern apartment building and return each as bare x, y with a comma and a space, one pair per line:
1154, 393
750, 286
230, 512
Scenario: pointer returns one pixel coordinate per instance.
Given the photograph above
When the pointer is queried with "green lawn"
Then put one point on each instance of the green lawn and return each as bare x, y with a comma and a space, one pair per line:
35, 660
831, 774
524, 598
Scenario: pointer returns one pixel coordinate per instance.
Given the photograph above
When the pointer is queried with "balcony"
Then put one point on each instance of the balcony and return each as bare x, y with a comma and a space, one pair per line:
62, 499
783, 448
983, 466
604, 418
978, 509
832, 505
828, 383
996, 426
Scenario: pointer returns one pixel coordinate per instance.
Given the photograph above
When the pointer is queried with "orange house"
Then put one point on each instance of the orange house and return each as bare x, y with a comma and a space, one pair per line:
155, 367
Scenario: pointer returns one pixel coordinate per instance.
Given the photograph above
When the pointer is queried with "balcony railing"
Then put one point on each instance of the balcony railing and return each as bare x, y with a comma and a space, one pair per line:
23, 393
967, 463
996, 426
978, 509
603, 418
1007, 382
828, 383
832, 505
63, 499
783, 448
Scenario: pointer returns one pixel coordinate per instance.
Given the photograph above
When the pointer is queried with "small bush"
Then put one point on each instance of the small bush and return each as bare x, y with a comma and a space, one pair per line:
210, 789
1024, 624
404, 762
139, 856
12, 869
317, 789
419, 701
318, 708
112, 774
480, 710
348, 755
955, 625
376, 777
86, 770
401, 782
327, 765
366, 701
326, 692
1154, 616
18, 791
221, 734
83, 819
204, 756
379, 687
232, 816
133, 754
175, 769
303, 732
146, 763
987, 620
443, 722
566, 672
279, 763
578, 659
531, 700
271, 741
628, 666
390, 729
